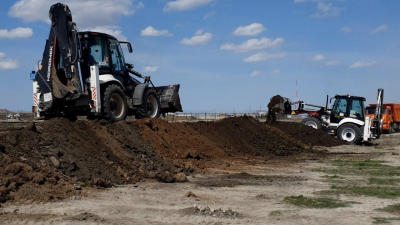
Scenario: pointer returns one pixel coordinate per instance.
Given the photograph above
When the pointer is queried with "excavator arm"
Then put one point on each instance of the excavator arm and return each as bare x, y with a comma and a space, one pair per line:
59, 75
377, 122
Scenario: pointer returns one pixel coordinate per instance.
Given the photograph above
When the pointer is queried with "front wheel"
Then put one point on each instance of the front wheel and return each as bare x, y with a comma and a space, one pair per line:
349, 132
115, 106
312, 122
150, 107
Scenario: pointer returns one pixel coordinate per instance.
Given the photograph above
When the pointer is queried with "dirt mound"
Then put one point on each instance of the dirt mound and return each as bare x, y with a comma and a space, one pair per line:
44, 162
193, 145
58, 158
307, 135
239, 137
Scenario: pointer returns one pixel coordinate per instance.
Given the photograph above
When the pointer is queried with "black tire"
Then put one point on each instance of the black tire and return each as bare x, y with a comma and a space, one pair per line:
349, 132
71, 117
391, 130
115, 107
150, 107
313, 122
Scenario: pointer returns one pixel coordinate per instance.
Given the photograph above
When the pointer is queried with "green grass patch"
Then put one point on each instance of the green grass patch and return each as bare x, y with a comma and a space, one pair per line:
391, 209
362, 168
318, 203
383, 181
373, 191
275, 213
383, 220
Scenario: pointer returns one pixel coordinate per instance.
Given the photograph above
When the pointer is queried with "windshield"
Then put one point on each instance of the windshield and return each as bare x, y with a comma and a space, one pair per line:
370, 110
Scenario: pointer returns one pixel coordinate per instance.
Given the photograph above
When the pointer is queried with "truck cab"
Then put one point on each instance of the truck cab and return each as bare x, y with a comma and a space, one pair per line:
388, 125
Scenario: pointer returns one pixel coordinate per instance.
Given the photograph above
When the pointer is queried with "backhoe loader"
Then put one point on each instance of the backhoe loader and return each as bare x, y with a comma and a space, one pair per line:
85, 74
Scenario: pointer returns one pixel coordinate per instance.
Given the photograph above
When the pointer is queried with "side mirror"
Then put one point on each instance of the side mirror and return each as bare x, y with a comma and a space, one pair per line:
129, 47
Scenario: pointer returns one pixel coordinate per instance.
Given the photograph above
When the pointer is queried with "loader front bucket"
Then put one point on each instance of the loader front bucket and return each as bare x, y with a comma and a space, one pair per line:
169, 98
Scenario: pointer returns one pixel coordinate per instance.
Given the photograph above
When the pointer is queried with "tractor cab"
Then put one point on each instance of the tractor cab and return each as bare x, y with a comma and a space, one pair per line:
346, 106
104, 51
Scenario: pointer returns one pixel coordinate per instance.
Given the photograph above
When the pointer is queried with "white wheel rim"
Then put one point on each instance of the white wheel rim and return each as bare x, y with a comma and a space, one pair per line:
312, 124
348, 134
152, 106
119, 110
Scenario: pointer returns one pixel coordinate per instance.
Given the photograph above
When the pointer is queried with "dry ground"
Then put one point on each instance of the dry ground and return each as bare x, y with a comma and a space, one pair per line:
254, 195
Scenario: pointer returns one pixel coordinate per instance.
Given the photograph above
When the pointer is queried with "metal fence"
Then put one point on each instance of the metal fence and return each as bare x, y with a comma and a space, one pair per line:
196, 116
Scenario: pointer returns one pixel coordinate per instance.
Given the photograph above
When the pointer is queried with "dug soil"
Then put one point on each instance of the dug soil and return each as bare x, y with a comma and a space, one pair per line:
56, 159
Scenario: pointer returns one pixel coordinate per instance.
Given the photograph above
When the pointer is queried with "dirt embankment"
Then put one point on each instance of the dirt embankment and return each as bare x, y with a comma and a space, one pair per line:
195, 145
57, 158
307, 135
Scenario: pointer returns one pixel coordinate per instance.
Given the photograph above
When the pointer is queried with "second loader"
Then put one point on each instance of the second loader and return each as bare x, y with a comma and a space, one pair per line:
346, 119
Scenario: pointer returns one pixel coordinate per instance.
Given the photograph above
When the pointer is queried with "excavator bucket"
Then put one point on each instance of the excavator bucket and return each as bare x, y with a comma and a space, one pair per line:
169, 98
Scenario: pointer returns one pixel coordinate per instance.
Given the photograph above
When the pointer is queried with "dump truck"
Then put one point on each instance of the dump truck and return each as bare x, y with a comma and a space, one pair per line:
85, 74
390, 116
346, 118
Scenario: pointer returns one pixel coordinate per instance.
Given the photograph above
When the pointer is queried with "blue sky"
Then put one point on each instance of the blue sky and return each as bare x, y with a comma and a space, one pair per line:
226, 54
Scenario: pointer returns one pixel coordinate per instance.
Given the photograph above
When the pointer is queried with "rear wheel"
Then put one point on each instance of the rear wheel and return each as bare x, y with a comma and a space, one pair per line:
312, 122
115, 107
391, 130
349, 132
150, 107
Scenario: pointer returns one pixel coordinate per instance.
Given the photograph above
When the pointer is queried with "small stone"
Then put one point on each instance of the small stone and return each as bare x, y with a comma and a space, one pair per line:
54, 161
180, 177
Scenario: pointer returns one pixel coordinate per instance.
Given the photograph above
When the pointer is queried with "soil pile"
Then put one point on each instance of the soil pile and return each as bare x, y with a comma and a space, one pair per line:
53, 159
307, 135
57, 158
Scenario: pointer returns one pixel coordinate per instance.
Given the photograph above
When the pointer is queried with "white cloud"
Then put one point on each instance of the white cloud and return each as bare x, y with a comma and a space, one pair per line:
90, 13
381, 28
253, 44
199, 32
361, 64
326, 10
318, 58
346, 29
333, 63
301, 1
18, 32
99, 15
113, 31
150, 69
208, 15
275, 71
151, 32
7, 64
255, 74
198, 39
250, 30
265, 57
185, 5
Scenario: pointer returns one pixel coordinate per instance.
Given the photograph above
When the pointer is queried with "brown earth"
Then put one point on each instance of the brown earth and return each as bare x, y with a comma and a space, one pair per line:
307, 135
56, 159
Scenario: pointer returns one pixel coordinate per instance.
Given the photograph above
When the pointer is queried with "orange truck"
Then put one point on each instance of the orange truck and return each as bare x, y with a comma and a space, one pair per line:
390, 116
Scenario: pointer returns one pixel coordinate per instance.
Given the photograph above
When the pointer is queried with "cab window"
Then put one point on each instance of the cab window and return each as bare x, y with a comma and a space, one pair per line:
339, 109
117, 57
97, 53
356, 109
